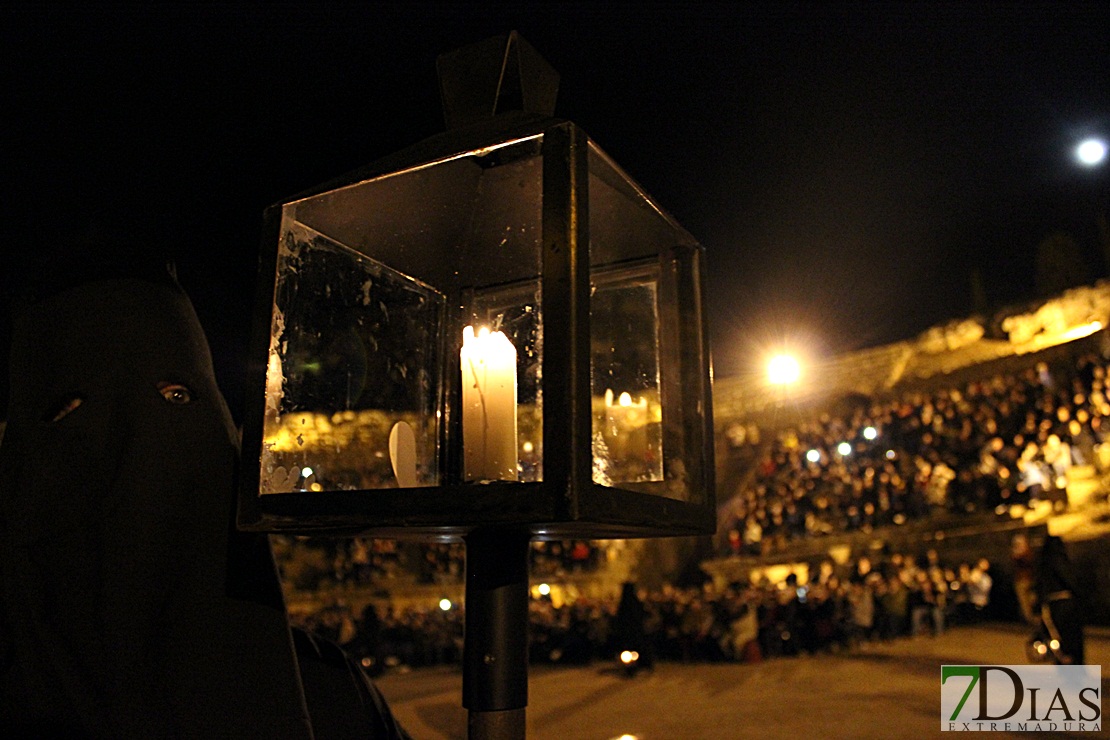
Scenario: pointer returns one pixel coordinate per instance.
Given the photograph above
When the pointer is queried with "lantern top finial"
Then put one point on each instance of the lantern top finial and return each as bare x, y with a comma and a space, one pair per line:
499, 75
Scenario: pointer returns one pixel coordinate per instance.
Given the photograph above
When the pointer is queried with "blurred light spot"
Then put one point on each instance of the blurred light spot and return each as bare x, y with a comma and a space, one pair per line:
783, 370
1091, 152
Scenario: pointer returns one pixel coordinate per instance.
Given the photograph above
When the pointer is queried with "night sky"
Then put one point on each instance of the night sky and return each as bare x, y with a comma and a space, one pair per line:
847, 166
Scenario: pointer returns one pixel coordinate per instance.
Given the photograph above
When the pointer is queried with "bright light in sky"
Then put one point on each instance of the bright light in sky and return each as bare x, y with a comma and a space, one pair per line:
783, 370
1091, 152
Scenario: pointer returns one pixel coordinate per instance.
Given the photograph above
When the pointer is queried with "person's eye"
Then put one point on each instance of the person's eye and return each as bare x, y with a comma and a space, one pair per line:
65, 406
175, 393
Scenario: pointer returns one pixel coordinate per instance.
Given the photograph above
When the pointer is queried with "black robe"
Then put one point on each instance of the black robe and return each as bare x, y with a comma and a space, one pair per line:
1056, 586
130, 607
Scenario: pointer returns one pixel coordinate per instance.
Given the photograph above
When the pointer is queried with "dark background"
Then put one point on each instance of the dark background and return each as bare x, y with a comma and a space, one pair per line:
848, 166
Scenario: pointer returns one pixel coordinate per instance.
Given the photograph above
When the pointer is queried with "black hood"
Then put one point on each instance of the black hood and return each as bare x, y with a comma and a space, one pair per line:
130, 605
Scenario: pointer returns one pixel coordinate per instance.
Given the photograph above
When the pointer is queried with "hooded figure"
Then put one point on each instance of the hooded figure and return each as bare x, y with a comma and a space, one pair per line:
629, 630
129, 604
1057, 593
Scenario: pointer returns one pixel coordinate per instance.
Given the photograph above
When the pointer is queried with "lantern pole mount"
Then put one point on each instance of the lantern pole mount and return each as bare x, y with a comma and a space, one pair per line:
495, 648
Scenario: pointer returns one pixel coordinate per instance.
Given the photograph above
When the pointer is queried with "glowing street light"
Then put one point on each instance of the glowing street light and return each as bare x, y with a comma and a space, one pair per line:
783, 370
1091, 152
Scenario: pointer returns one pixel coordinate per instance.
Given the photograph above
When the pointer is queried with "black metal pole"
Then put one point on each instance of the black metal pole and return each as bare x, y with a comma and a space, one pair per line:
495, 648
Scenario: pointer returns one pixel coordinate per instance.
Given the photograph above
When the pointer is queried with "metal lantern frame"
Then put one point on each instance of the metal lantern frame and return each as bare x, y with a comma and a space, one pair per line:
567, 502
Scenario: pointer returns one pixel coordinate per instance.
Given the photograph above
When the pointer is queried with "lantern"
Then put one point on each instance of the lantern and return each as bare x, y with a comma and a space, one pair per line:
496, 327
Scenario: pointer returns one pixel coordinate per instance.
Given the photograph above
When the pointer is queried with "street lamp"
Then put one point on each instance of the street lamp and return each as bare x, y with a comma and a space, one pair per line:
1091, 152
783, 370
440, 336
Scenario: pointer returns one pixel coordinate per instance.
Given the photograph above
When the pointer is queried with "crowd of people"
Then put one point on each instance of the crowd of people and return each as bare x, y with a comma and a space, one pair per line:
984, 446
825, 608
310, 563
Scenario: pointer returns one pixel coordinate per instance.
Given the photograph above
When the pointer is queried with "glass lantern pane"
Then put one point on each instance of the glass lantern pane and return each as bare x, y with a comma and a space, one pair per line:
356, 354
375, 282
628, 437
645, 398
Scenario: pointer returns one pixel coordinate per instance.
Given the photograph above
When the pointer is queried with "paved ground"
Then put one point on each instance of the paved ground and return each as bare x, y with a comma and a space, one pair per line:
882, 691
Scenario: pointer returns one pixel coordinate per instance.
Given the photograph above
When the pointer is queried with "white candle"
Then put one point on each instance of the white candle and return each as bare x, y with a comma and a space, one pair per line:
489, 405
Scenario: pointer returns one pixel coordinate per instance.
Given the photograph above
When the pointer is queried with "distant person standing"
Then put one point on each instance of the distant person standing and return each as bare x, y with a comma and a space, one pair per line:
1024, 565
1056, 589
979, 586
628, 627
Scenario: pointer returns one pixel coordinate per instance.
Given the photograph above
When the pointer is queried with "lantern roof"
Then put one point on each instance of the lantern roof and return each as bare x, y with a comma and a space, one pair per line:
499, 75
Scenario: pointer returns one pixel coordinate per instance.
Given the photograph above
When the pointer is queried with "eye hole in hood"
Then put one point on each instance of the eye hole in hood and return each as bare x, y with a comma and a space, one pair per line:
175, 393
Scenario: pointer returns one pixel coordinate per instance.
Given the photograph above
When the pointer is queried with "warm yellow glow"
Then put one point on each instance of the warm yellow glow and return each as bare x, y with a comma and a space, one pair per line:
777, 574
629, 656
1078, 332
488, 361
783, 370
544, 589
445, 604
625, 399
